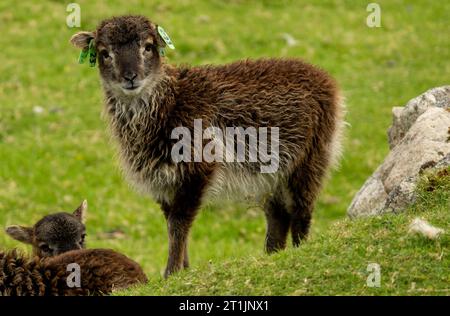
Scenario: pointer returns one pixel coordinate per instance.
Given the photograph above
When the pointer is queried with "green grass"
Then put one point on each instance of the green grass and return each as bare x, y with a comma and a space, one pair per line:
336, 262
53, 160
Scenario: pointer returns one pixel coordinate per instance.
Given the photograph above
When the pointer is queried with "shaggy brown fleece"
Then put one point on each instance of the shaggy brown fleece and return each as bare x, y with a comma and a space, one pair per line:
147, 98
102, 271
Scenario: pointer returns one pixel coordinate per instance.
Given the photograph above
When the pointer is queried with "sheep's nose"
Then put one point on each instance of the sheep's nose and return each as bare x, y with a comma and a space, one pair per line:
130, 76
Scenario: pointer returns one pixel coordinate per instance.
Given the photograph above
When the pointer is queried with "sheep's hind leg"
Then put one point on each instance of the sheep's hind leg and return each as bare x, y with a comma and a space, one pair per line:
304, 185
278, 222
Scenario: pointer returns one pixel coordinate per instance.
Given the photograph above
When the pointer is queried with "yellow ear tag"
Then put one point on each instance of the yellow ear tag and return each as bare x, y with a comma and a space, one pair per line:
165, 37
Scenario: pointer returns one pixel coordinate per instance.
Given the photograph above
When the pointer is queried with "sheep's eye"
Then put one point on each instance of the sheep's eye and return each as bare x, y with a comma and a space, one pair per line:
148, 47
104, 53
81, 242
45, 248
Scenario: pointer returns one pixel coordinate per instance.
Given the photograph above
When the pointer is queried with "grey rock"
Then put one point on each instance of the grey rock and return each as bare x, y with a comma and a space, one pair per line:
419, 139
401, 196
404, 117
370, 199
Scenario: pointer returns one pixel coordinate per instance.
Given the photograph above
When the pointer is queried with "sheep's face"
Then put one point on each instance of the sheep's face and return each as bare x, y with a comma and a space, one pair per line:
54, 234
128, 53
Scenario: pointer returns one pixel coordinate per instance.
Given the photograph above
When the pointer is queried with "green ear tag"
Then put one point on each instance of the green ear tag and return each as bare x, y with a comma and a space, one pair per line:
162, 52
165, 37
83, 55
92, 54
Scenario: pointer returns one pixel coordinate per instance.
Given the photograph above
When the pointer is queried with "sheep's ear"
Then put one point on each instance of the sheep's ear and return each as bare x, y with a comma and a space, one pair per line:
159, 40
81, 212
81, 39
20, 233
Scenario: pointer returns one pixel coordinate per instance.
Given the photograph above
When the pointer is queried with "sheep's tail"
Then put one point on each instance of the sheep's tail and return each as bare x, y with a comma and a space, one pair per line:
336, 146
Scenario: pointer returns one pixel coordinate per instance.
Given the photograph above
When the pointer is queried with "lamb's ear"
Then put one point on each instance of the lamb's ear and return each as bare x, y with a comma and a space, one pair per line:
81, 39
81, 211
20, 233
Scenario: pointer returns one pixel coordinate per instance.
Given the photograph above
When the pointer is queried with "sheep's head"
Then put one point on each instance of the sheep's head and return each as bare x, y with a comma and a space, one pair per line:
128, 49
54, 234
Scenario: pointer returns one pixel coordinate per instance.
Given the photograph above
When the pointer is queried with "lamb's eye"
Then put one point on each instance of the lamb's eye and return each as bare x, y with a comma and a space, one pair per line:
45, 248
83, 237
104, 53
148, 47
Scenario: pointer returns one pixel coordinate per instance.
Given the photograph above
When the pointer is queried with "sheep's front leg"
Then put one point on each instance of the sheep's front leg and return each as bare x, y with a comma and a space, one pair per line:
178, 228
186, 256
180, 214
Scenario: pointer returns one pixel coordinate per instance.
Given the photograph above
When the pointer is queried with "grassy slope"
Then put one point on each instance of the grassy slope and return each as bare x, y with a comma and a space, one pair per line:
51, 161
336, 262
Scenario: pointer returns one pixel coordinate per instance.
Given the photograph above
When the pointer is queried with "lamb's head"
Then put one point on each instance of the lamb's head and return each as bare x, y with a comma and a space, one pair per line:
55, 233
129, 53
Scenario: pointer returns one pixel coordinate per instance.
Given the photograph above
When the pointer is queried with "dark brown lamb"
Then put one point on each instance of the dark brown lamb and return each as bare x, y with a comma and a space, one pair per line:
146, 99
101, 272
58, 240
55, 233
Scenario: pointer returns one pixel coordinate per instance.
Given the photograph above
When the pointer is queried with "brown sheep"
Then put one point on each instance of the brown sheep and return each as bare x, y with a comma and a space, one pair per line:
101, 272
58, 240
147, 100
